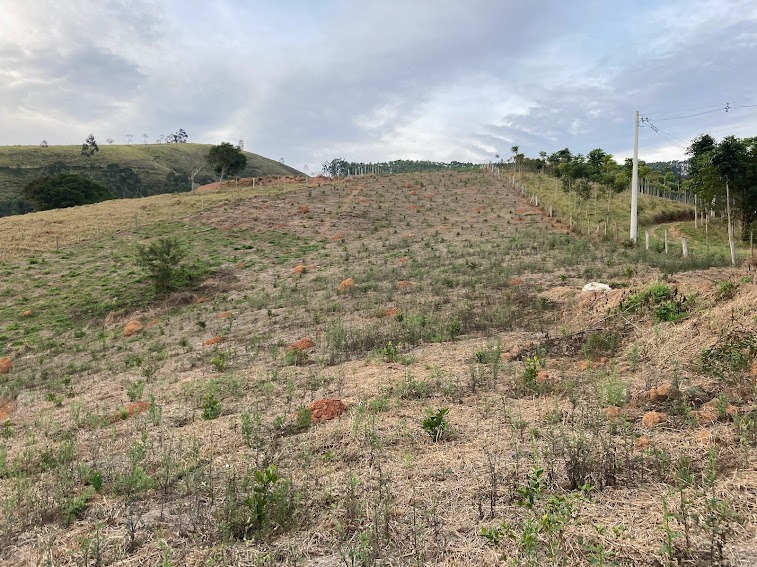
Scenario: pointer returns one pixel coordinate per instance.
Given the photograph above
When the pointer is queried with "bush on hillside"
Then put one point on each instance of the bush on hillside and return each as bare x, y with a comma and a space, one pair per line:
64, 190
161, 260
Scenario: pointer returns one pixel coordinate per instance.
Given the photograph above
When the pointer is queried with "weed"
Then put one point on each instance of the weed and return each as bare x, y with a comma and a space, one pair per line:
725, 290
304, 418
412, 389
613, 390
539, 535
489, 354
599, 344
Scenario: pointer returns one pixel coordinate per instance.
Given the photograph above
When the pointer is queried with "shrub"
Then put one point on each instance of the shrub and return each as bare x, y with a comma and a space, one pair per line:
731, 357
161, 260
661, 301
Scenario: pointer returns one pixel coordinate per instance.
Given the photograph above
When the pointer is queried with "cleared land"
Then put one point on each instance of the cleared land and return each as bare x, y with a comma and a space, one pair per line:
581, 428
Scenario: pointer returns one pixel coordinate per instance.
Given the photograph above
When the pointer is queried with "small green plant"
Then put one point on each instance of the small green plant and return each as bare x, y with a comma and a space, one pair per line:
634, 358
436, 424
74, 506
539, 534
529, 377
134, 390
296, 357
55, 398
155, 412
489, 354
261, 504
390, 352
161, 260
211, 406
219, 361
304, 418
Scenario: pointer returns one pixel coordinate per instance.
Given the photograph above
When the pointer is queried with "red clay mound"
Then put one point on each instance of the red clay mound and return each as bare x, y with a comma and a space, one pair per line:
130, 410
7, 407
132, 327
326, 409
302, 344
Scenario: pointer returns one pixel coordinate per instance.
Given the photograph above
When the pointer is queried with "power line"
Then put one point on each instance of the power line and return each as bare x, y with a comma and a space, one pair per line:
676, 142
716, 107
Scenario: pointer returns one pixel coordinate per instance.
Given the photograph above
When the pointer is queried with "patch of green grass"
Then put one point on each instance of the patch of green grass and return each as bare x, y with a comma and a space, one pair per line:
662, 302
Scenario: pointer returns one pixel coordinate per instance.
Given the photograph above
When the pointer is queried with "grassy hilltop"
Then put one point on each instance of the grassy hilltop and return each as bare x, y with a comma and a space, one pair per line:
142, 169
492, 413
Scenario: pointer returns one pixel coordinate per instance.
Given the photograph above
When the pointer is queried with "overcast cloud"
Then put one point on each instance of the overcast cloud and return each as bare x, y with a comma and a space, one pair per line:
378, 80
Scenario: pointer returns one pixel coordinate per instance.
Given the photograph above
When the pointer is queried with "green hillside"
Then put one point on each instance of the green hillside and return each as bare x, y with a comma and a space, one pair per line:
135, 170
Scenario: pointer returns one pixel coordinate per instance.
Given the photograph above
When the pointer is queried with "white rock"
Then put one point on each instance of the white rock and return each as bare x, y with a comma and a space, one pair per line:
596, 286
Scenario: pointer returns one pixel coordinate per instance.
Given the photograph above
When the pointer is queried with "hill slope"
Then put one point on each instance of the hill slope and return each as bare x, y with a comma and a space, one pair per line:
191, 439
135, 170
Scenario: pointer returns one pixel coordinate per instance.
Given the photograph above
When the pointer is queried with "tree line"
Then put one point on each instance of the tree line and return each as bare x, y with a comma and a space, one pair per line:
339, 167
712, 170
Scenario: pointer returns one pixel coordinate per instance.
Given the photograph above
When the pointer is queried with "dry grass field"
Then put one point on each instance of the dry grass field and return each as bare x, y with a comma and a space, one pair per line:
490, 412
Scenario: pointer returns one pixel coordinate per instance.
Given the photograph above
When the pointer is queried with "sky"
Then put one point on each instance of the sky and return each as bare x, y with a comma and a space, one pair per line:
377, 80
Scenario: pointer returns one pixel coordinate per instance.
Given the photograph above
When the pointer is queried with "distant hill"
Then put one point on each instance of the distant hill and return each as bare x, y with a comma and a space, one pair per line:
135, 170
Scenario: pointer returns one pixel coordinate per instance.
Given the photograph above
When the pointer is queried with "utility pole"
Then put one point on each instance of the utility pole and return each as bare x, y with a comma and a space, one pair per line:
635, 180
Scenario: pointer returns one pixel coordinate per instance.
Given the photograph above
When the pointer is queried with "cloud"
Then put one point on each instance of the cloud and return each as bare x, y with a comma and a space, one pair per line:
376, 80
